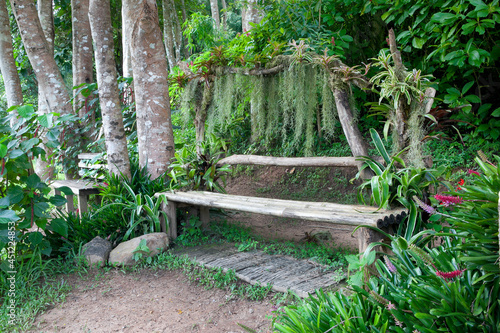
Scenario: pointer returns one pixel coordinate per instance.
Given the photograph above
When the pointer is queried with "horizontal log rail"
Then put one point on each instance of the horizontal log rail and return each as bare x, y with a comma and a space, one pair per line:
321, 161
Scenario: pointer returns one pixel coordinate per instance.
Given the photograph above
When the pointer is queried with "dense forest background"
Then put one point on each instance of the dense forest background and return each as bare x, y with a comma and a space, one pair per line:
454, 41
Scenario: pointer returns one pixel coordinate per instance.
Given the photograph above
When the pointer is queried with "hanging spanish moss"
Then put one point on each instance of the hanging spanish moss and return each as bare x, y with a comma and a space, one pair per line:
273, 110
301, 110
287, 96
311, 107
188, 101
329, 109
257, 107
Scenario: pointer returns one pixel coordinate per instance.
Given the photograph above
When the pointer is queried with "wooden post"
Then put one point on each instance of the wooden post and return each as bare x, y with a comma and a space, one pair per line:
170, 209
366, 236
204, 217
352, 133
82, 203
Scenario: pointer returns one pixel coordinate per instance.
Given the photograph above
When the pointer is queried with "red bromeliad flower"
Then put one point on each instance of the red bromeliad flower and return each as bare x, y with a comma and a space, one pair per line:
473, 172
460, 183
450, 275
447, 200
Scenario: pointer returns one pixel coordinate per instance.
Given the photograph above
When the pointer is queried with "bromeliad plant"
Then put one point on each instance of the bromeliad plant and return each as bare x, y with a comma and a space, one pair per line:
395, 184
140, 212
199, 170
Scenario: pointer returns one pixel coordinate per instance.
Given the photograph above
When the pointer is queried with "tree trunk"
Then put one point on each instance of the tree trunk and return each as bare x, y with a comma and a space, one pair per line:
214, 7
250, 14
168, 32
224, 15
353, 135
82, 54
109, 97
126, 44
154, 125
184, 50
42, 166
8, 67
178, 40
41, 59
402, 108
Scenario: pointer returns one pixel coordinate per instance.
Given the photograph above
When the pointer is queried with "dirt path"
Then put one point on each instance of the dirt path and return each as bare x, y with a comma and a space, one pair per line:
151, 301
165, 301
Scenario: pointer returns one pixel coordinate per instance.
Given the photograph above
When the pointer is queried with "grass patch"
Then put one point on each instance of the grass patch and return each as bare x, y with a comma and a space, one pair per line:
39, 285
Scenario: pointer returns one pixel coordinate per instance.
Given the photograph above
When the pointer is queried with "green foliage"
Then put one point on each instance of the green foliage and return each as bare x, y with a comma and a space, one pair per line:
456, 41
140, 211
333, 312
395, 183
142, 250
25, 198
199, 170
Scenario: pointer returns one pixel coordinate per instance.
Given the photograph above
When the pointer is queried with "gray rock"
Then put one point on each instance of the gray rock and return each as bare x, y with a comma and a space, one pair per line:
97, 251
123, 254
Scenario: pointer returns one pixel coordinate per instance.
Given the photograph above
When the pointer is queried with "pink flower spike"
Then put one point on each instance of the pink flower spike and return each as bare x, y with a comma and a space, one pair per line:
447, 200
450, 275
424, 206
470, 172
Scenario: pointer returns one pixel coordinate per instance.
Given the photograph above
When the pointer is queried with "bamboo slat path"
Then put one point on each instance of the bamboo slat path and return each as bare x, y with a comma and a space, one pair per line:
283, 273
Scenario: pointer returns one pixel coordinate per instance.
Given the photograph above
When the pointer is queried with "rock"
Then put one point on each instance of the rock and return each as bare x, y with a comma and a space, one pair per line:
123, 254
97, 251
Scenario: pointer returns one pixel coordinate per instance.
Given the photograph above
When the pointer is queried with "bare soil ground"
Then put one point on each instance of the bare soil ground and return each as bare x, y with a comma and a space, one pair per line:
165, 301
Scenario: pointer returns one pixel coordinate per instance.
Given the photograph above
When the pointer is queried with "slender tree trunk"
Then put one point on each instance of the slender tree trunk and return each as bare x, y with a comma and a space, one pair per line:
250, 14
178, 41
109, 96
126, 44
154, 125
8, 67
41, 59
184, 50
82, 54
168, 32
224, 15
42, 165
402, 110
214, 7
353, 135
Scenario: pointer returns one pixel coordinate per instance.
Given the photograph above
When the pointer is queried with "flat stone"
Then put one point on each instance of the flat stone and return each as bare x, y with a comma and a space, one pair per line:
97, 251
123, 254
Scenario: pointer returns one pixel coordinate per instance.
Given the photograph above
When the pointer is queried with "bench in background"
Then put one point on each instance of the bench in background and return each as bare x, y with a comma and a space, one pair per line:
84, 187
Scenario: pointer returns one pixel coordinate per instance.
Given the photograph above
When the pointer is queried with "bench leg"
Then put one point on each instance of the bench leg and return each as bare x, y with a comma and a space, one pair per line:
366, 236
83, 203
69, 204
204, 217
171, 210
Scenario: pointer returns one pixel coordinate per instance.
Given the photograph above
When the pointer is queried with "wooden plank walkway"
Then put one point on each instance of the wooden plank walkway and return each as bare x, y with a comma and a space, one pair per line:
284, 273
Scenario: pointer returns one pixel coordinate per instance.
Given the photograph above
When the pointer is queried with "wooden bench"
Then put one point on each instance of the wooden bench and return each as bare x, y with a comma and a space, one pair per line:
83, 187
353, 215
